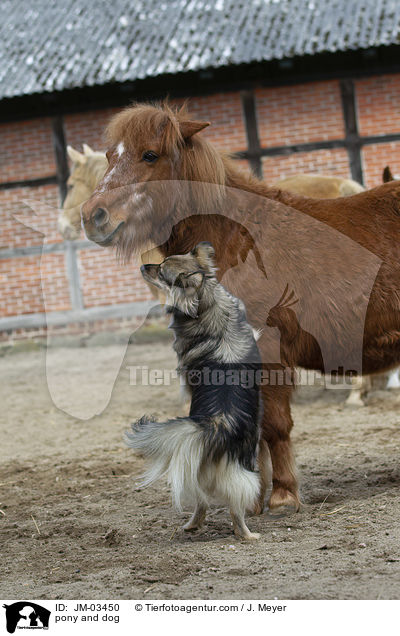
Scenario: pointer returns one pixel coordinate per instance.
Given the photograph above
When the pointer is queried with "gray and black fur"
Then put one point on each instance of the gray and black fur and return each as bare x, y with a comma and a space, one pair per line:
211, 454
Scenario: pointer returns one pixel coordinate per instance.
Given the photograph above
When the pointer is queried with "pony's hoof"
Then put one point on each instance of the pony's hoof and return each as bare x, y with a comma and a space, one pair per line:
282, 500
252, 536
354, 403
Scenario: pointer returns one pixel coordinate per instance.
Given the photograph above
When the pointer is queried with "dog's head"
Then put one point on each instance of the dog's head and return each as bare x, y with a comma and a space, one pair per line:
184, 278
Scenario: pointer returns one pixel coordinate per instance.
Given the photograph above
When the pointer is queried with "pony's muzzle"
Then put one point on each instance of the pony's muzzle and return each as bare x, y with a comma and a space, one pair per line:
100, 218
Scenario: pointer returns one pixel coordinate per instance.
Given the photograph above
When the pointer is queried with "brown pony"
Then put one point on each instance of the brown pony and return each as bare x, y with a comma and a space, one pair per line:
166, 184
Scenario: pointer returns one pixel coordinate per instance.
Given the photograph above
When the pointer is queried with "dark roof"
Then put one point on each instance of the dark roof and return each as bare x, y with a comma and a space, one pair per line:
52, 45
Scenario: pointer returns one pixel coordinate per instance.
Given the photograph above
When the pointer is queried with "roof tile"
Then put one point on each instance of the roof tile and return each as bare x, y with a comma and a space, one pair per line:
48, 45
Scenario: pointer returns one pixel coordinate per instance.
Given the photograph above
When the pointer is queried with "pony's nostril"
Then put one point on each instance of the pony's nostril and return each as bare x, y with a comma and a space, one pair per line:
101, 217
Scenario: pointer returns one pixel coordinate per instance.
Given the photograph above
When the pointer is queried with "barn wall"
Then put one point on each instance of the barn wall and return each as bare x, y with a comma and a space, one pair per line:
299, 114
302, 115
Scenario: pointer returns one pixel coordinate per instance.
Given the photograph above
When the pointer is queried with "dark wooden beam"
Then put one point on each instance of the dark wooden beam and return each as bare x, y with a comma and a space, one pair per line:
275, 151
379, 139
253, 141
58, 318
46, 248
60, 152
353, 142
29, 183
71, 261
306, 147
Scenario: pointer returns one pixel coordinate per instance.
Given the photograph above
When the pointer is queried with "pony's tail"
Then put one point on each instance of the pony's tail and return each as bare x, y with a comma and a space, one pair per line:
176, 449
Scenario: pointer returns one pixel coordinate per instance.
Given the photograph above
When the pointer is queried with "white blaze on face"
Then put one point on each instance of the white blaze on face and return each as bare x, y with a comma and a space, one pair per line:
106, 179
120, 148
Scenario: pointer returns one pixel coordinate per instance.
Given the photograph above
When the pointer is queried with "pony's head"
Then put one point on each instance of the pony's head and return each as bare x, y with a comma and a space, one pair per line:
86, 171
153, 151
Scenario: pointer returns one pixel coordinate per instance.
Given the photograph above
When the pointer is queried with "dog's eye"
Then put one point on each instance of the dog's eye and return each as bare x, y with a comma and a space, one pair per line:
149, 156
178, 282
162, 277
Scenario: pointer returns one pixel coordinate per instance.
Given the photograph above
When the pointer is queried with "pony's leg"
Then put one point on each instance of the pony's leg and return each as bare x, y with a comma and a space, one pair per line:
265, 477
239, 526
276, 426
358, 388
393, 380
197, 519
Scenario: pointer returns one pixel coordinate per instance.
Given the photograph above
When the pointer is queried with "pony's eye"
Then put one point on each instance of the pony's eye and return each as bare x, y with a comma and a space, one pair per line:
149, 156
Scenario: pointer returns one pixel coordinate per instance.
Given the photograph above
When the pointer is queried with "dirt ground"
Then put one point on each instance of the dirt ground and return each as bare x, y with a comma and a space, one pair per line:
75, 525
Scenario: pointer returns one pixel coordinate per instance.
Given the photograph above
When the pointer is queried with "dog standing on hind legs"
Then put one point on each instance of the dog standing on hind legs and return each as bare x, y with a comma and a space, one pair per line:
211, 454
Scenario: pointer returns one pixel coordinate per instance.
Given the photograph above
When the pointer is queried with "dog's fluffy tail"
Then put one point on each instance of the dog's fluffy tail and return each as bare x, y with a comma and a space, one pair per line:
174, 448
177, 449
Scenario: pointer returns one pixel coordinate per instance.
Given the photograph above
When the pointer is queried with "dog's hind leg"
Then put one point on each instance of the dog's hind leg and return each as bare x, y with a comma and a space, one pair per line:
197, 519
239, 526
239, 487
265, 476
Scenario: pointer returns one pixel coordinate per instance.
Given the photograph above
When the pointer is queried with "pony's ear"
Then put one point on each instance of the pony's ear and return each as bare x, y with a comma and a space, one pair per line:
190, 128
387, 175
205, 254
75, 155
87, 150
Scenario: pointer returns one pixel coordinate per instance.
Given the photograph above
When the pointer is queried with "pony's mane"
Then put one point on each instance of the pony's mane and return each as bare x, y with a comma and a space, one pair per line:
195, 158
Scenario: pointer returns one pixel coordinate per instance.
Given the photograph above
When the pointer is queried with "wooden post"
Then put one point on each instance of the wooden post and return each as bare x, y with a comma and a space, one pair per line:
353, 141
60, 152
253, 141
62, 170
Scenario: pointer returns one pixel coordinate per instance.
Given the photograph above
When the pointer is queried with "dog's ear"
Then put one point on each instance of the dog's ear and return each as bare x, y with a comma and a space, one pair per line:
204, 254
190, 283
193, 280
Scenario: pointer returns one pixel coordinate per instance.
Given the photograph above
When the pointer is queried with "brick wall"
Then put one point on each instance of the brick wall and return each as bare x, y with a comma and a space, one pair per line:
378, 102
377, 156
297, 114
332, 162
88, 128
26, 150
105, 282
28, 202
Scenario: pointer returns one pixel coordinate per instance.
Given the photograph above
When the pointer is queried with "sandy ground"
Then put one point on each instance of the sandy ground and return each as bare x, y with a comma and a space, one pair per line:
75, 525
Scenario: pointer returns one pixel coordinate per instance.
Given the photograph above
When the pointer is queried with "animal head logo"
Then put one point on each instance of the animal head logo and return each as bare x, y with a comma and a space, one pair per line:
280, 314
26, 615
